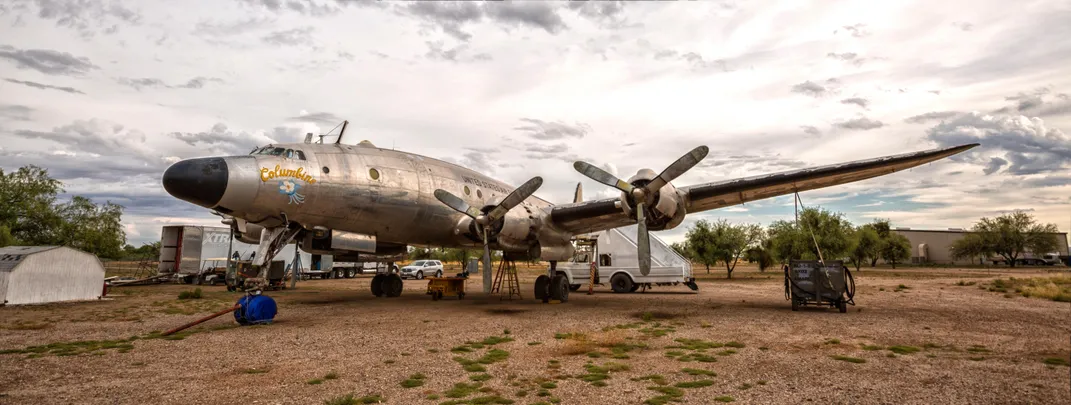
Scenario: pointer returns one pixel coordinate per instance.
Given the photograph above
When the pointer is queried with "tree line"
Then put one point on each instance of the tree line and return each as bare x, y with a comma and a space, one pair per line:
823, 234
31, 215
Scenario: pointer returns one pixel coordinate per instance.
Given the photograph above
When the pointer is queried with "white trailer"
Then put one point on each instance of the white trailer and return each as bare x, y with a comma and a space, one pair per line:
613, 254
193, 253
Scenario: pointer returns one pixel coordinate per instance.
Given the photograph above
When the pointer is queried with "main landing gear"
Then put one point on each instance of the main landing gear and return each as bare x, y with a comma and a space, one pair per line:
388, 284
552, 286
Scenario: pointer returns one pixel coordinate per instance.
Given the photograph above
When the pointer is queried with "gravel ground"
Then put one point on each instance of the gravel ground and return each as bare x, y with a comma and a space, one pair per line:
975, 346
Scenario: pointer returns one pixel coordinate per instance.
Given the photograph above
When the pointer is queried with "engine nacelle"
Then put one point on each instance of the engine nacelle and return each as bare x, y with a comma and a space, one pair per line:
333, 240
667, 208
519, 229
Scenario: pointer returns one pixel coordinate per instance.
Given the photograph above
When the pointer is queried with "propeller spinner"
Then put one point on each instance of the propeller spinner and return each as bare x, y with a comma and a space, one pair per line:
486, 220
641, 194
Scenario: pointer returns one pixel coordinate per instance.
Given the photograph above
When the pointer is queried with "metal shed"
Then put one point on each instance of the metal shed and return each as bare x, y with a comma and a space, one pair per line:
40, 274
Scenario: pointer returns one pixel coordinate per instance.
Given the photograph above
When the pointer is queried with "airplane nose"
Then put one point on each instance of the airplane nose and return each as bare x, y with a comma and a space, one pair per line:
200, 181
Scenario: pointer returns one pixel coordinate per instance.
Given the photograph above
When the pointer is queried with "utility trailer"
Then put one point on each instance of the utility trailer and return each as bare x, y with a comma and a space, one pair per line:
190, 253
612, 254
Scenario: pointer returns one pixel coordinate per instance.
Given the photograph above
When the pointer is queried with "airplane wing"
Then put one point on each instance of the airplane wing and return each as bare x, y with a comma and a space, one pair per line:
598, 215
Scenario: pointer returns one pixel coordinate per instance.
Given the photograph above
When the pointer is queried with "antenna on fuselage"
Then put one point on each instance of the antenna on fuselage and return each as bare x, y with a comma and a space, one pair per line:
342, 131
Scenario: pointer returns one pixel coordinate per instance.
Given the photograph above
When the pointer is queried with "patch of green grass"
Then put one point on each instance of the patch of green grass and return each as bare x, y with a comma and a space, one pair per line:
669, 391
761, 382
744, 386
254, 371
900, 349
534, 343
571, 335
872, 347
978, 349
595, 355
657, 331
735, 344
315, 381
494, 340
331, 376
1056, 361
191, 295
726, 352
697, 372
965, 283
432, 397
832, 341
694, 384
548, 385
695, 344
849, 359
655, 378
388, 361
413, 381
461, 349
724, 398
433, 350
461, 390
764, 348
480, 377
349, 399
493, 356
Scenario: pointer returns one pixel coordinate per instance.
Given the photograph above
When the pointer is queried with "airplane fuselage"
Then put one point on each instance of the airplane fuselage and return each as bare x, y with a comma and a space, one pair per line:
353, 188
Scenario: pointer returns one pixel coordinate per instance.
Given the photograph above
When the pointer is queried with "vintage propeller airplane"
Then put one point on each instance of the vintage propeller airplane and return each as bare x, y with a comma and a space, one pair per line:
361, 201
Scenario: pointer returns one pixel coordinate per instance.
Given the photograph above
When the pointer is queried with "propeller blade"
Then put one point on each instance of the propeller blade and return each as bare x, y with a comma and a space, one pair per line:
516, 197
602, 176
456, 203
678, 168
643, 241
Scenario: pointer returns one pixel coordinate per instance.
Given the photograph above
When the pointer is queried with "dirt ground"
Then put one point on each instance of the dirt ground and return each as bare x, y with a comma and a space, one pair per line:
935, 341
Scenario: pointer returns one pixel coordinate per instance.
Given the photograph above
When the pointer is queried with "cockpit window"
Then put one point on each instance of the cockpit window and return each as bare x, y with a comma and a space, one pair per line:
277, 152
273, 151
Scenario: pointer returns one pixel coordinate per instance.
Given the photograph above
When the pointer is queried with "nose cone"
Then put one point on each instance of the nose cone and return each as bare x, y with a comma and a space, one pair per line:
200, 181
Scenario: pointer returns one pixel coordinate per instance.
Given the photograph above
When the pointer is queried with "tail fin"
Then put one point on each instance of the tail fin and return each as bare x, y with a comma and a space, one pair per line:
578, 195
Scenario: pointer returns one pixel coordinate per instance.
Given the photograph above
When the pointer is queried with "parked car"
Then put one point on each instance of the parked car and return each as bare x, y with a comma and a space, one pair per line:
421, 268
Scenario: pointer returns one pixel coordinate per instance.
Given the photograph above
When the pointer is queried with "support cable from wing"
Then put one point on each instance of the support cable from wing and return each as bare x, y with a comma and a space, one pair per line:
850, 280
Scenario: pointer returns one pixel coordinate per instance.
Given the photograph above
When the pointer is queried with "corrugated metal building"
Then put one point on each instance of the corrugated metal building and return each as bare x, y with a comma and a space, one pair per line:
938, 244
39, 274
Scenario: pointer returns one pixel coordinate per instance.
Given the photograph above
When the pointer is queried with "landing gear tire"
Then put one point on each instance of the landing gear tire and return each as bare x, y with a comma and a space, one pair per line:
377, 284
559, 288
574, 287
420, 275
392, 285
621, 283
542, 288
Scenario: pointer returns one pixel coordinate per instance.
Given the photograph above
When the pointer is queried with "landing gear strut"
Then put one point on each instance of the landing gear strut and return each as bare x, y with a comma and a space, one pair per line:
552, 286
389, 284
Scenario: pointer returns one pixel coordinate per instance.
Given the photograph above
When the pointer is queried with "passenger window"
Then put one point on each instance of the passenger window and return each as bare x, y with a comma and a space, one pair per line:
289, 153
479, 194
299, 154
467, 190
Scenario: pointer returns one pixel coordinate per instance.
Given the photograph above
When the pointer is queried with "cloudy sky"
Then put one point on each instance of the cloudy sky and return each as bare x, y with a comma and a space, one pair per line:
106, 94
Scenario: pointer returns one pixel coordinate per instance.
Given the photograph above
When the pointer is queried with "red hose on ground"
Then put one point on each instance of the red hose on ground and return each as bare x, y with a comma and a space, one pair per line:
236, 306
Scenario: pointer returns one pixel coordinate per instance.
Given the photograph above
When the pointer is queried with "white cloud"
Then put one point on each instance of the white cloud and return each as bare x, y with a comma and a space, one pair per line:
768, 85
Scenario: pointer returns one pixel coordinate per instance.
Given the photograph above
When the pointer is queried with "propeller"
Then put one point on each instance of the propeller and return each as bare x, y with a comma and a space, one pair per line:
641, 194
484, 221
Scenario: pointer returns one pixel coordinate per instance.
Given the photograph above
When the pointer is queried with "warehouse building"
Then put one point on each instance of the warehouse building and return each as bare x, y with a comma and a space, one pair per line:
40, 274
935, 246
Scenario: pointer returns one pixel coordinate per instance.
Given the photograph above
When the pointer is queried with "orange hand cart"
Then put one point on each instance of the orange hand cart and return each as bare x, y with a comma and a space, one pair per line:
439, 287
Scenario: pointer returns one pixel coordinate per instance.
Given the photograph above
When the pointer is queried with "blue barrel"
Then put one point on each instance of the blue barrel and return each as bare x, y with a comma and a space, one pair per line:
255, 309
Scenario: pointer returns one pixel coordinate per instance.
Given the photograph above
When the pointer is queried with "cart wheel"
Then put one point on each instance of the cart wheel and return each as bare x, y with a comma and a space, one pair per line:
434, 295
795, 305
843, 306
460, 295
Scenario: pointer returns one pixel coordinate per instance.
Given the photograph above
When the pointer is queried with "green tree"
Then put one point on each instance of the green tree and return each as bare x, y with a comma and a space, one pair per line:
865, 245
26, 205
818, 228
761, 253
93, 228
883, 229
5, 237
700, 240
729, 241
971, 246
1011, 235
896, 249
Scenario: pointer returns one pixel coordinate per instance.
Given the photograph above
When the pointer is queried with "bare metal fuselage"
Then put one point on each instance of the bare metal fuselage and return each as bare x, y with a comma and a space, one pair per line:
366, 190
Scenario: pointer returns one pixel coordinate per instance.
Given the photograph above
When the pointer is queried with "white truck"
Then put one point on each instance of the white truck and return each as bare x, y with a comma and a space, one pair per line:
612, 253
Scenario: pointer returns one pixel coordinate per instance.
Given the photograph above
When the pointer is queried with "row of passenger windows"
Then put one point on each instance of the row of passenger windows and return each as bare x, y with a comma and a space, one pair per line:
273, 151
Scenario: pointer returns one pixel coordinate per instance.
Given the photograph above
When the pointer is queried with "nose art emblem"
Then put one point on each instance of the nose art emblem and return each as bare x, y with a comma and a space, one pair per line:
288, 186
